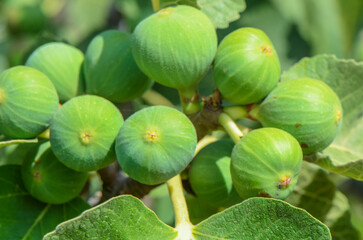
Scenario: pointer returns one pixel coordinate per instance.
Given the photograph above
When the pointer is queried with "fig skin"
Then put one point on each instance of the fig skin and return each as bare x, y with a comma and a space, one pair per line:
28, 101
210, 176
266, 161
175, 46
62, 63
83, 131
118, 81
155, 144
306, 108
246, 67
47, 179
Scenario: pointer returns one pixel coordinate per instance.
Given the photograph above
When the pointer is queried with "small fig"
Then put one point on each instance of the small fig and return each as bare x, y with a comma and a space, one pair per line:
210, 176
28, 101
266, 161
47, 179
306, 108
62, 64
175, 46
246, 67
118, 81
83, 131
155, 144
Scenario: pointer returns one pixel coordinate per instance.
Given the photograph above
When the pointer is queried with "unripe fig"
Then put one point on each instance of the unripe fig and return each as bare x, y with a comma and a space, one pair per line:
175, 46
28, 101
306, 108
246, 67
210, 176
266, 161
47, 179
83, 131
120, 80
155, 144
62, 64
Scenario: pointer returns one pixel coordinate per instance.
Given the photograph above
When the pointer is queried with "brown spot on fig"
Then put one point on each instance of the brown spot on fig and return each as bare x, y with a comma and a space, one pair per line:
264, 194
304, 145
297, 125
37, 175
274, 97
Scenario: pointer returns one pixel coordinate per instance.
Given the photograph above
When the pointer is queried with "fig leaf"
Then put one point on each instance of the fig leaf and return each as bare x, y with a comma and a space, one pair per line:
325, 203
262, 218
221, 13
123, 217
345, 154
22, 216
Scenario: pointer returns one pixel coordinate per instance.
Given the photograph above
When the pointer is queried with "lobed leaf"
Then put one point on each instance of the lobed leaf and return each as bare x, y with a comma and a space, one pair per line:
345, 154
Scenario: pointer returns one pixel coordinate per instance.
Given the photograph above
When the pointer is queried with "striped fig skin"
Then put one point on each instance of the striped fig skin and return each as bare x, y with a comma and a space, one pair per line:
210, 176
246, 67
110, 69
62, 64
306, 108
83, 131
28, 101
47, 179
155, 144
175, 46
267, 160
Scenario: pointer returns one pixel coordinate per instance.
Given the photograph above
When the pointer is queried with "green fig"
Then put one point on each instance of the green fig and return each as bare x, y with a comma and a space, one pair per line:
62, 64
47, 179
266, 161
155, 144
83, 131
110, 69
28, 101
175, 46
306, 108
210, 176
246, 67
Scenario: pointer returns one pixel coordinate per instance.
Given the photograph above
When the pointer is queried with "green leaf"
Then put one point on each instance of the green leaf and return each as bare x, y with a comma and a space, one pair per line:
317, 194
22, 216
345, 154
123, 217
165, 3
262, 218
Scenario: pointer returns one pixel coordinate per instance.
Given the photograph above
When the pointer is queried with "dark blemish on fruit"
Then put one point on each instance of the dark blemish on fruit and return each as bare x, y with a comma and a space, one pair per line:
304, 145
37, 175
298, 125
274, 97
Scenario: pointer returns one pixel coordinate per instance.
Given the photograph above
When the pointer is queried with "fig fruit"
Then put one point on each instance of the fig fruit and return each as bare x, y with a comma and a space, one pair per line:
155, 144
246, 67
306, 108
28, 101
175, 46
47, 179
83, 131
210, 176
266, 161
120, 80
62, 64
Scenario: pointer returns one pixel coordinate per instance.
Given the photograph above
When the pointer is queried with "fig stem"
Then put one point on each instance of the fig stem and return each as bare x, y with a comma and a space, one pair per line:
156, 5
45, 134
182, 221
236, 112
190, 100
204, 142
154, 98
231, 127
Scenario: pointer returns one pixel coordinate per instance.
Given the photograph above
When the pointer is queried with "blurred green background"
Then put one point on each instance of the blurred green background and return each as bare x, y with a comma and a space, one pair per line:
297, 28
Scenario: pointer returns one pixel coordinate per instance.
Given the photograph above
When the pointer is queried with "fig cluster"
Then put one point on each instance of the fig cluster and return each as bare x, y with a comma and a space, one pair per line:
76, 97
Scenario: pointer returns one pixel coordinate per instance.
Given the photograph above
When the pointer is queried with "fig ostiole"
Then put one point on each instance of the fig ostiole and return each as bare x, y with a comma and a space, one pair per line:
62, 63
28, 101
306, 108
266, 161
175, 46
118, 81
155, 144
246, 67
47, 179
83, 131
210, 177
